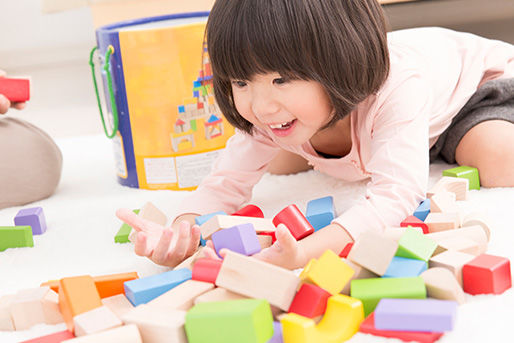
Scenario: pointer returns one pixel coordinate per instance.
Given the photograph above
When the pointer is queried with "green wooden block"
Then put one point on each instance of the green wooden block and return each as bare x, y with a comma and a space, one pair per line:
414, 244
15, 237
465, 172
235, 321
192, 122
123, 233
370, 291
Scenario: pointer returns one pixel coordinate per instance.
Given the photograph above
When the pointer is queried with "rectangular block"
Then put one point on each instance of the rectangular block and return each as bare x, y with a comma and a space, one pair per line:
52, 338
182, 296
125, 334
383, 249
35, 306
320, 212
96, 320
158, 324
6, 323
15, 237
122, 236
416, 315
219, 222
200, 220
465, 172
119, 304
15, 89
405, 267
109, 285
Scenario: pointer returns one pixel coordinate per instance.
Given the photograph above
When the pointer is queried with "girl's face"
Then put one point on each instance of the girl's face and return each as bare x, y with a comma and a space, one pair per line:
291, 110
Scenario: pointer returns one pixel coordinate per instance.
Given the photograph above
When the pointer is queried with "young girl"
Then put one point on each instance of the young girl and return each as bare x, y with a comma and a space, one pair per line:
320, 83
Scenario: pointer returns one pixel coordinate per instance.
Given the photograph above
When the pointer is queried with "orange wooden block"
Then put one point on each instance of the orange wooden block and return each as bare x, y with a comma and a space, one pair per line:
77, 295
53, 284
109, 285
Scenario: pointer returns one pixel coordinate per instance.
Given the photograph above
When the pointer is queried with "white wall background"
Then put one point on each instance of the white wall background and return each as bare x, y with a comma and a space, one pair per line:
29, 37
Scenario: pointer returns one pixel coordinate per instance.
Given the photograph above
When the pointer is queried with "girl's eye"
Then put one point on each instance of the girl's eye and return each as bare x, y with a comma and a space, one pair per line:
279, 81
239, 83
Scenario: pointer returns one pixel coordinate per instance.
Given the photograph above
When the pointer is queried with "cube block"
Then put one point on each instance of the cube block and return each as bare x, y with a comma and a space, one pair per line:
320, 212
33, 217
465, 172
486, 274
310, 301
241, 238
328, 272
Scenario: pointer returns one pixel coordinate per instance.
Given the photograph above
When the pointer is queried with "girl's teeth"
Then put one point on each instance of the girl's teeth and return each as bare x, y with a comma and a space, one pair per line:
279, 126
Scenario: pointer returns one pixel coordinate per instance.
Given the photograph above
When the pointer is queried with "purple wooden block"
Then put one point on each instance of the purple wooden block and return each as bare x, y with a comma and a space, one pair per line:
277, 333
430, 315
240, 238
33, 217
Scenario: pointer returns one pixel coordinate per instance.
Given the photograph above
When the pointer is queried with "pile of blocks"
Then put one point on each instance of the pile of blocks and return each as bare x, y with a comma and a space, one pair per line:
405, 282
27, 223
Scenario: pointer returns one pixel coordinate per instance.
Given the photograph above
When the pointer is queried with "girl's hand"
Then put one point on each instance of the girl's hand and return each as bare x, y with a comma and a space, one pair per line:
165, 246
285, 252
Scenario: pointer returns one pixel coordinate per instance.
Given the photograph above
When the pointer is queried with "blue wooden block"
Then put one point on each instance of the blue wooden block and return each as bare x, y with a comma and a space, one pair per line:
423, 210
320, 212
202, 219
197, 84
405, 267
33, 217
240, 238
140, 291
181, 109
196, 94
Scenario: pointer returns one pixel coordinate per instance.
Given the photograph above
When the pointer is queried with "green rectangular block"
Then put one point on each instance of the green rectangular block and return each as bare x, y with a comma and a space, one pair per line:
15, 237
414, 244
192, 122
370, 291
123, 233
465, 172
235, 321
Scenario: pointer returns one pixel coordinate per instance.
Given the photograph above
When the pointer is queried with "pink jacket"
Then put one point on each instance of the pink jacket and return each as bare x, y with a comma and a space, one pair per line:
434, 72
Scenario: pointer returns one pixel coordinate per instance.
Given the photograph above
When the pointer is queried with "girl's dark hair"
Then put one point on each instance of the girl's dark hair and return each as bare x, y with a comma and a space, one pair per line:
342, 44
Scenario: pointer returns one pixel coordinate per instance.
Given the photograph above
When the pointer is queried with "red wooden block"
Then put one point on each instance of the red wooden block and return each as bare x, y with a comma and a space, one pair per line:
368, 326
15, 89
295, 221
249, 211
344, 253
272, 234
57, 337
414, 222
486, 274
310, 301
206, 270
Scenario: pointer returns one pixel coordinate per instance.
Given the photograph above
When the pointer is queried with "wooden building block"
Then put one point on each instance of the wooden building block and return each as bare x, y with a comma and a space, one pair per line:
320, 212
206, 270
265, 241
465, 172
249, 211
340, 322
125, 334
52, 338
383, 249
122, 236
118, 304
77, 295
444, 201
453, 261
422, 211
462, 244
360, 273
442, 221
241, 238
329, 272
368, 326
245, 320
346, 250
33, 217
442, 284
476, 233
414, 222
431, 315
455, 185
395, 233
96, 320
150, 212
269, 234
53, 284
35, 306
200, 220
6, 323
370, 291
15, 89
486, 274
219, 222
140, 291
416, 245
189, 262
218, 294
405, 267
251, 277
295, 221
112, 284
182, 296
158, 324
310, 301
15, 237
477, 218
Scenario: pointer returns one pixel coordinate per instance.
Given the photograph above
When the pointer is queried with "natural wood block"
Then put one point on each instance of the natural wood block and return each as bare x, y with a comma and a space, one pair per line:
264, 241
465, 172
459, 186
158, 324
443, 201
477, 218
6, 323
149, 212
395, 233
442, 284
218, 294
453, 261
251, 277
52, 338
442, 221
125, 334
224, 222
35, 306
182, 297
190, 261
96, 320
462, 244
383, 252
119, 304
360, 273
475, 233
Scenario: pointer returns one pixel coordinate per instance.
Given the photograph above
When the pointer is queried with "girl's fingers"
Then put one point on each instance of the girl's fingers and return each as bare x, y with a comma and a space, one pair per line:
139, 224
181, 244
141, 246
161, 250
285, 239
18, 105
194, 240
209, 252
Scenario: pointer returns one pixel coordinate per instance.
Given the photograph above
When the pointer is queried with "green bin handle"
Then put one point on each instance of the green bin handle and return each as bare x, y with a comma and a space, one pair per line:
106, 68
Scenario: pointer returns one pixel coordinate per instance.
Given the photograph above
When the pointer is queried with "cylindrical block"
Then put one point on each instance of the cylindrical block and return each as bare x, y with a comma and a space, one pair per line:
295, 221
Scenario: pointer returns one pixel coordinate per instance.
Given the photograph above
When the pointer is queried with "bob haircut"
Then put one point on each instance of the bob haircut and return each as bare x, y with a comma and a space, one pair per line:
341, 44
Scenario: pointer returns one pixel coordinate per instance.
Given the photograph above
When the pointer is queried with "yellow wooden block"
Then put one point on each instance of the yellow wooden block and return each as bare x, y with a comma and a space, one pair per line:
328, 272
341, 321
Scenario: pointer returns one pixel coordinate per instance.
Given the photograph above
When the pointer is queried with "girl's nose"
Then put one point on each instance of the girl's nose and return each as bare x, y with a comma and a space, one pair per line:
264, 105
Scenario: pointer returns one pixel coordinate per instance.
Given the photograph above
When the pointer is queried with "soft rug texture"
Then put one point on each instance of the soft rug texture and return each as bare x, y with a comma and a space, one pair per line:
82, 225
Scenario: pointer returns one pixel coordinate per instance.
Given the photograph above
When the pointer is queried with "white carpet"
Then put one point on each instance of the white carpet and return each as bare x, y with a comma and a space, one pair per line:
82, 225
